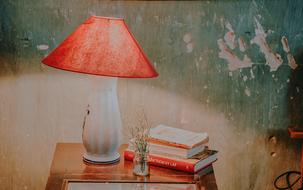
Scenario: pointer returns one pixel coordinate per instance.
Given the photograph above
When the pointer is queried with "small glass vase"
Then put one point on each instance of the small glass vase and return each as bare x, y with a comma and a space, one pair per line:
141, 164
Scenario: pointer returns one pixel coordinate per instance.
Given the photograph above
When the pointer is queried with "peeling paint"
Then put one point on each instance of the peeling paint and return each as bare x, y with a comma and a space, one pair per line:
245, 78
207, 101
187, 38
247, 92
284, 42
242, 44
252, 74
42, 47
230, 37
155, 64
273, 60
190, 47
234, 62
227, 45
291, 60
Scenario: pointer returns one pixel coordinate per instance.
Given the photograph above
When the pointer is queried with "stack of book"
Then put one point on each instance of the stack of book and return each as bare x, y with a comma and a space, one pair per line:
177, 149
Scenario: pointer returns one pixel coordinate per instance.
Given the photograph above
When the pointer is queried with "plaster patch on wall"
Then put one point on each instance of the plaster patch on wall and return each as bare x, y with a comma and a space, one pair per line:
247, 92
207, 101
189, 47
230, 37
234, 62
273, 60
42, 47
245, 78
155, 64
291, 60
227, 45
285, 45
187, 38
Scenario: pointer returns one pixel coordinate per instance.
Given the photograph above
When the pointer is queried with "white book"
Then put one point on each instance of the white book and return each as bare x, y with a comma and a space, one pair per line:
171, 136
175, 151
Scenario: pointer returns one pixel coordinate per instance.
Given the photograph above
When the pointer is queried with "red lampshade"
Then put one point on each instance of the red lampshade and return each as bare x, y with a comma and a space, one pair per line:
102, 46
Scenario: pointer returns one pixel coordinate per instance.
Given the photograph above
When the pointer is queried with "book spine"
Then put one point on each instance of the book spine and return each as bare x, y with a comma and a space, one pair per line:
163, 162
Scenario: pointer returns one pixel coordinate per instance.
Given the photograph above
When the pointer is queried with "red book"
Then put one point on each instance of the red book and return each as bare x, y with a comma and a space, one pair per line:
191, 165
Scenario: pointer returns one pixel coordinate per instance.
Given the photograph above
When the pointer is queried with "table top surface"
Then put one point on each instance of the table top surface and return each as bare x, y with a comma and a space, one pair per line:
68, 165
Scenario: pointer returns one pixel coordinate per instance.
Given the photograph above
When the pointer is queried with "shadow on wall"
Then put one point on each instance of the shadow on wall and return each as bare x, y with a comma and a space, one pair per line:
295, 93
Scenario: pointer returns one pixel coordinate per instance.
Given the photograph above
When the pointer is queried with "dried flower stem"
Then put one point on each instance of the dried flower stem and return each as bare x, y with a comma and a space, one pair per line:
139, 133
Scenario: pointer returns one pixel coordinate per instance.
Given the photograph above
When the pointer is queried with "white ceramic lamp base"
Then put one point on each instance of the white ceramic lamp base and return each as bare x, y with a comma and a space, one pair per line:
103, 159
102, 126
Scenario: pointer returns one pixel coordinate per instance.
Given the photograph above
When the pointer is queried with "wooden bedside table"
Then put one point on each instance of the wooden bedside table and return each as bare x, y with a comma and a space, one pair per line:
68, 167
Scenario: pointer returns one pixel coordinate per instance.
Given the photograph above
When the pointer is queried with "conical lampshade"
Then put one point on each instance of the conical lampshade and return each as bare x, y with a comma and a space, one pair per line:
102, 46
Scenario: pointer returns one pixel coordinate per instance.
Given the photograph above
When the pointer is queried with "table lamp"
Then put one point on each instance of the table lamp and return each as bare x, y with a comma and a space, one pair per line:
102, 46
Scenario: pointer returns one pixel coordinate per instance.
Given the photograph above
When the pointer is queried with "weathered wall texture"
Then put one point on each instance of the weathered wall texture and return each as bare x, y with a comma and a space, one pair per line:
223, 69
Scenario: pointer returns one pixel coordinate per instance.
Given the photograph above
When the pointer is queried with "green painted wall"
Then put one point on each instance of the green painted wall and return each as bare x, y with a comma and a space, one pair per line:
181, 39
